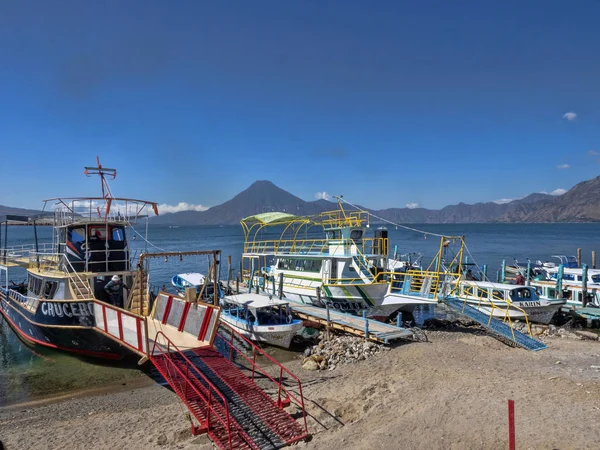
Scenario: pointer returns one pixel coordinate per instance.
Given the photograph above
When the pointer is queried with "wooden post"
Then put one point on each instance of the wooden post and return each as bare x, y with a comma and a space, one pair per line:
229, 271
215, 281
593, 259
503, 272
511, 425
528, 279
364, 314
280, 285
273, 284
578, 257
584, 275
237, 284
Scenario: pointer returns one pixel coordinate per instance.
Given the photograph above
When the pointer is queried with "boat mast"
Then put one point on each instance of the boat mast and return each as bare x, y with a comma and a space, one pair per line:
106, 193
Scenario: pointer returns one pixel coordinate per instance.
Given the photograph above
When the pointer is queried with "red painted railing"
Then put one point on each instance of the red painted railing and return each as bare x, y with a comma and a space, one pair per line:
210, 402
288, 394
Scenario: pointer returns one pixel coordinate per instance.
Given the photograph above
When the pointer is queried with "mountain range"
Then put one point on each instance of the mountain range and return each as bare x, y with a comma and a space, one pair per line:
579, 204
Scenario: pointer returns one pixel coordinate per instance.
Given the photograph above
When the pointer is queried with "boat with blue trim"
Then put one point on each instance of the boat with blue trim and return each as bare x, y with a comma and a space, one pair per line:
261, 318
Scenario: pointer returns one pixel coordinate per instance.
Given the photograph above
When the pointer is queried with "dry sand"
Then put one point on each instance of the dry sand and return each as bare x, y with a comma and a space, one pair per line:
450, 393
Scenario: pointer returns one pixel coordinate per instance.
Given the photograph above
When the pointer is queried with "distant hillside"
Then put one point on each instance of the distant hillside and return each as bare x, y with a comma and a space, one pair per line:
580, 204
261, 196
264, 196
4, 210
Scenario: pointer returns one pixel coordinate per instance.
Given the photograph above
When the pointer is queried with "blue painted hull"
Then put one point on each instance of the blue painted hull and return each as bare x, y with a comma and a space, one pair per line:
68, 332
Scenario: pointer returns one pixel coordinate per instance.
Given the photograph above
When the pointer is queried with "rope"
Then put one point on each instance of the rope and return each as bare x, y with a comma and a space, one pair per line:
146, 240
397, 224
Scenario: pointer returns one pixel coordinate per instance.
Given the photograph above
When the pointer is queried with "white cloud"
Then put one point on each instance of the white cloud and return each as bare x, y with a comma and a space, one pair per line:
563, 166
181, 206
502, 201
593, 153
559, 191
412, 205
570, 116
322, 196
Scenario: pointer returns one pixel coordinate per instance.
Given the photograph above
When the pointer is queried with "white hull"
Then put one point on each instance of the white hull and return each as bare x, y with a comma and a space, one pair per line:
277, 335
347, 298
539, 311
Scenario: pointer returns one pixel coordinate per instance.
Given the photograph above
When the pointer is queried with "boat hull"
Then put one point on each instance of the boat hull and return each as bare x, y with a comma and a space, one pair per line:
348, 298
276, 335
36, 328
540, 311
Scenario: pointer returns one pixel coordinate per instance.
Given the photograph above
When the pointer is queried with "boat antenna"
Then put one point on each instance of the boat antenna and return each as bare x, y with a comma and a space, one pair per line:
103, 172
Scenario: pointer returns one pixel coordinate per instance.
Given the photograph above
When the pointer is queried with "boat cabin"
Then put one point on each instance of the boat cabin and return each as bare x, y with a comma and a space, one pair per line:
499, 291
257, 310
95, 247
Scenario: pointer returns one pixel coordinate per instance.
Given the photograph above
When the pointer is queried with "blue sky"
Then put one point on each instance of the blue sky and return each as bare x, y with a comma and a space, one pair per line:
388, 103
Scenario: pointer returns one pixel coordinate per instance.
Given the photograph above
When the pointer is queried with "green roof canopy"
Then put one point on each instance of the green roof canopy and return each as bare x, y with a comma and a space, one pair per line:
272, 217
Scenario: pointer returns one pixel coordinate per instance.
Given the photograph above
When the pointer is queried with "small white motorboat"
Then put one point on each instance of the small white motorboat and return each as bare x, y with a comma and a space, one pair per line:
187, 280
261, 318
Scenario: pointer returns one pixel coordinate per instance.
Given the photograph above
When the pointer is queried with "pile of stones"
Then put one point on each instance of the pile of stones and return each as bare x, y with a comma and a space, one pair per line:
339, 349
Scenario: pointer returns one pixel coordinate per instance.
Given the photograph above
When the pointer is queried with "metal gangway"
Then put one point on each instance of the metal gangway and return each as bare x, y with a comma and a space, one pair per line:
214, 371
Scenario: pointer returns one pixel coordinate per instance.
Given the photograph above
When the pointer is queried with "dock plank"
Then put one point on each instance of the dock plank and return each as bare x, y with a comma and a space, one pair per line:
378, 331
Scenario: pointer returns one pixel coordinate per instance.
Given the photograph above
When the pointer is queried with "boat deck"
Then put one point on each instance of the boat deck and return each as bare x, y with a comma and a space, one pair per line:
183, 341
588, 312
376, 331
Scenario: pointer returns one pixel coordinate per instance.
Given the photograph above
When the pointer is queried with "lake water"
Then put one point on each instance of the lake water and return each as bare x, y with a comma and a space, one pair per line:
27, 373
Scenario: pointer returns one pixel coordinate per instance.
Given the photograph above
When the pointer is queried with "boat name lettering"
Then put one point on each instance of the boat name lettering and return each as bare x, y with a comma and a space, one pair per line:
530, 304
345, 306
67, 309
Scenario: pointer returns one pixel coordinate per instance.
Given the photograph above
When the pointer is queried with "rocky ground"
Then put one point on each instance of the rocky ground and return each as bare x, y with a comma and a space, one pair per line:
450, 392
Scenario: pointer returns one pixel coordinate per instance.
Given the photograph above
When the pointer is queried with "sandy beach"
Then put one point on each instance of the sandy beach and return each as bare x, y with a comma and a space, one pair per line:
448, 393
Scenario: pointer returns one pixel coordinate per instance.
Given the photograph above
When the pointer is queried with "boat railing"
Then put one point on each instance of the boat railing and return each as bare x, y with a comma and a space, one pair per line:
342, 219
20, 253
420, 283
30, 303
288, 385
68, 211
317, 247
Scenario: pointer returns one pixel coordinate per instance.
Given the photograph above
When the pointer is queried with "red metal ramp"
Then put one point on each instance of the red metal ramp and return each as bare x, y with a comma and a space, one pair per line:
251, 406
228, 405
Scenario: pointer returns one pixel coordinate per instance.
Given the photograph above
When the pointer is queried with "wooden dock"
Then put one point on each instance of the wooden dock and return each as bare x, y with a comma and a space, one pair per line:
359, 326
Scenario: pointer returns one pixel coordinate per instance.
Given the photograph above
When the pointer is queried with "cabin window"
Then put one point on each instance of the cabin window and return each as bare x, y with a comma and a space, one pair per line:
596, 278
98, 232
356, 234
35, 285
498, 295
333, 234
50, 288
483, 293
118, 234
523, 293
300, 265
77, 235
552, 293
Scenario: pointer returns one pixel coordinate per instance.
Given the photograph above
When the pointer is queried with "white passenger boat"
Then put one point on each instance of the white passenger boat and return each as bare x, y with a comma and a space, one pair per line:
261, 318
571, 292
500, 299
339, 271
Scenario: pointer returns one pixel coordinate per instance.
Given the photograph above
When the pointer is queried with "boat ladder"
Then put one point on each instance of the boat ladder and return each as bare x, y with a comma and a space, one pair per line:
499, 329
